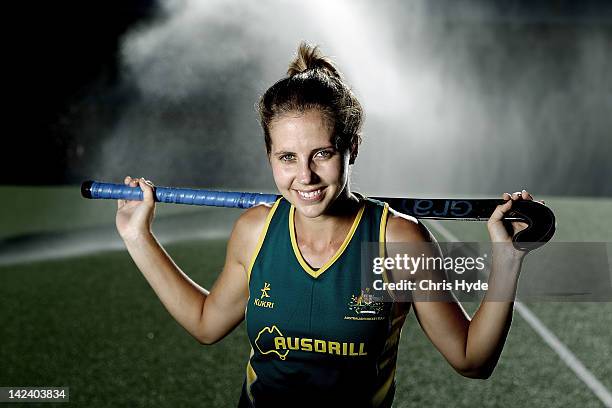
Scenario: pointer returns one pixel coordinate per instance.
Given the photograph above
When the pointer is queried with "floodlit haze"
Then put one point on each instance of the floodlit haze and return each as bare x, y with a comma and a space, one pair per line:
462, 100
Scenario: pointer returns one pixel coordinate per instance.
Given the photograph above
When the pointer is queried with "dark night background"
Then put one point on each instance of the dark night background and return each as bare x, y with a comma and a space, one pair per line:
69, 89
64, 71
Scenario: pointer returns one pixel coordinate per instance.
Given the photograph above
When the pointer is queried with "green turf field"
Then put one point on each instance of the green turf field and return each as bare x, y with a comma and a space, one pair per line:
53, 209
93, 324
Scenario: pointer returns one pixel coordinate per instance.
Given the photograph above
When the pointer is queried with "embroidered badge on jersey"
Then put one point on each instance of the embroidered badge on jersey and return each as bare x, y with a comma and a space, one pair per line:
365, 306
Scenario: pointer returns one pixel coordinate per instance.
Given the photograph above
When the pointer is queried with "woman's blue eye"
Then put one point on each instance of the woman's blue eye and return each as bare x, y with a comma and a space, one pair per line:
324, 154
286, 157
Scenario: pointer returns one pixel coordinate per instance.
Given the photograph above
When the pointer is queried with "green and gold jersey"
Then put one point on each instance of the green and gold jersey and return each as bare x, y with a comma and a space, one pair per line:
317, 338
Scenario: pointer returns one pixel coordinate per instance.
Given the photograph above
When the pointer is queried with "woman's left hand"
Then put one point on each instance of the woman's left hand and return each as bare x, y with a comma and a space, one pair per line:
495, 225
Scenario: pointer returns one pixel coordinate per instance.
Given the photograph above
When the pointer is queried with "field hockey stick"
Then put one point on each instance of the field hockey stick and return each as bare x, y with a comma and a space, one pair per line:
539, 218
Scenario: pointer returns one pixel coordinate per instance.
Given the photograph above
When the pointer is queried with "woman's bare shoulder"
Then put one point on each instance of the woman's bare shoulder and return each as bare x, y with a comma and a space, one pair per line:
247, 229
252, 220
405, 228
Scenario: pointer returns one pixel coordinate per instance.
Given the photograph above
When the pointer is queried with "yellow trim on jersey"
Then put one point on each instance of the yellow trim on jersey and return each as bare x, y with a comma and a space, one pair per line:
251, 376
383, 231
382, 392
298, 254
382, 239
262, 237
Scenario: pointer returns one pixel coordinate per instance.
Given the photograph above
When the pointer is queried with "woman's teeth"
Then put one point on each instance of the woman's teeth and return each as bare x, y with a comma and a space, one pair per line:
310, 195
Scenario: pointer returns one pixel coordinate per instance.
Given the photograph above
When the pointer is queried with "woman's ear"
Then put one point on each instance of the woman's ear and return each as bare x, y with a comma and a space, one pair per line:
354, 151
269, 155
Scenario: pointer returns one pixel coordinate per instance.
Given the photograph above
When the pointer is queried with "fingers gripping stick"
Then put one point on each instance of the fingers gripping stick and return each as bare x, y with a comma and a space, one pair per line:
539, 218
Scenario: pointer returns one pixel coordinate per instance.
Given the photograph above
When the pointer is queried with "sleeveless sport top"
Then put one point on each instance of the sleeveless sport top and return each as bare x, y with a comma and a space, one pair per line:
316, 337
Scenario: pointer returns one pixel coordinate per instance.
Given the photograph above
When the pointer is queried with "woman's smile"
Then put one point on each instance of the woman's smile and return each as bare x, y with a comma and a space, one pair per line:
311, 196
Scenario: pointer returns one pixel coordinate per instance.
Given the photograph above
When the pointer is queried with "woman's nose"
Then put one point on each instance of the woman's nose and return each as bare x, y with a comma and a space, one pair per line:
306, 173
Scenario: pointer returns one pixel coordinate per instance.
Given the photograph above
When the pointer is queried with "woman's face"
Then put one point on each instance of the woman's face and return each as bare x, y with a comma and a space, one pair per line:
307, 169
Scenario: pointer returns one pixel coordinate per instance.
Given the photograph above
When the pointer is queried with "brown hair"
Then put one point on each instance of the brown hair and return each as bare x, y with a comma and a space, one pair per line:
313, 82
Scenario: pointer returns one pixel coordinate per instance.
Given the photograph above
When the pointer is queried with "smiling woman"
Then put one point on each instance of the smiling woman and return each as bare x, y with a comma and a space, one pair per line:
293, 271
307, 168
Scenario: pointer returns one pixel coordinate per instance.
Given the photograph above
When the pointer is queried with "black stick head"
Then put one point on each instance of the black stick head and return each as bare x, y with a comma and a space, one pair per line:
541, 224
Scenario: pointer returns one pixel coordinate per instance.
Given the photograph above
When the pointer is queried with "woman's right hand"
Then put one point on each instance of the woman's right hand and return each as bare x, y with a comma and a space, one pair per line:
134, 218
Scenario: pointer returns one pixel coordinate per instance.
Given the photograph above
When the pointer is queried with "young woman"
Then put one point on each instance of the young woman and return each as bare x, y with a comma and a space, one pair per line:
293, 268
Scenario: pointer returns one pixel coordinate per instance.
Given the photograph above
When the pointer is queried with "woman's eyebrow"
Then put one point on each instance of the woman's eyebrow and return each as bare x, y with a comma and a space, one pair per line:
316, 149
281, 152
323, 148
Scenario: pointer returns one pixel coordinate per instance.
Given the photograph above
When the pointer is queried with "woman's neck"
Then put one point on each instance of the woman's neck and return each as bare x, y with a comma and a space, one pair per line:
331, 227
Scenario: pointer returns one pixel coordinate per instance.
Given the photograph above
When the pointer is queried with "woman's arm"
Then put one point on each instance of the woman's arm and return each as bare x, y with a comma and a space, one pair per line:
207, 316
471, 346
225, 306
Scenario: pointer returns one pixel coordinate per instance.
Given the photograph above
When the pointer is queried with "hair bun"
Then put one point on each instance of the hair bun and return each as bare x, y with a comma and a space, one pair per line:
309, 57
314, 83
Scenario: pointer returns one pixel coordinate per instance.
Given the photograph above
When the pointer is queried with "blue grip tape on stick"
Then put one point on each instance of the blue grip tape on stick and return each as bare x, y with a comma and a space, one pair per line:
94, 189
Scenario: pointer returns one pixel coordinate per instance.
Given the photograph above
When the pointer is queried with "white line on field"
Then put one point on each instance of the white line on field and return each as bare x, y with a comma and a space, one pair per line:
566, 355
75, 244
549, 338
